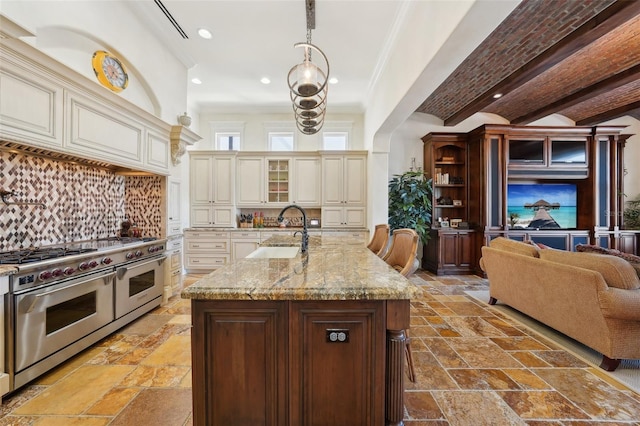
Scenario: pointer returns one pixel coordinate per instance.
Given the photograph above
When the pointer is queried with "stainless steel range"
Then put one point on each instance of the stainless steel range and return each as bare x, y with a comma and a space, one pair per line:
64, 298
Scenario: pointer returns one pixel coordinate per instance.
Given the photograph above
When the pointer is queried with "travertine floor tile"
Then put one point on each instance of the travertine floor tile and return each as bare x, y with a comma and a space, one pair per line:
157, 407
174, 351
474, 365
76, 392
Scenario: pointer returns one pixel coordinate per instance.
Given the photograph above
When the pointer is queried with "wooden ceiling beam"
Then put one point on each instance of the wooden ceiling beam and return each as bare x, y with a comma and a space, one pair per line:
607, 20
609, 115
604, 86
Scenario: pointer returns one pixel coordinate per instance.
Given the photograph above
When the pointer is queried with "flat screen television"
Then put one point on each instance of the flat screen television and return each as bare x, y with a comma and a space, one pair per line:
542, 205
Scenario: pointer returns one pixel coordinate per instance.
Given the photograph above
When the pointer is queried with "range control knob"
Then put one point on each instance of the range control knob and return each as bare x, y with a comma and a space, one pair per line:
106, 260
153, 249
138, 253
69, 271
57, 272
83, 266
44, 275
93, 264
130, 255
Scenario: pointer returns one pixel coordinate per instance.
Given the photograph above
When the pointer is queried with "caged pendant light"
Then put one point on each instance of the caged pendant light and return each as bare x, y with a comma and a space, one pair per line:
308, 83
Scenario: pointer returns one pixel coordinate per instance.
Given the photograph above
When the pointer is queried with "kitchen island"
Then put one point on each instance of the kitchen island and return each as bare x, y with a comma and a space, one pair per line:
316, 339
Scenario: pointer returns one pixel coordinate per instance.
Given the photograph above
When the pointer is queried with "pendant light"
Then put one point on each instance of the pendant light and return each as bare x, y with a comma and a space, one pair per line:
308, 82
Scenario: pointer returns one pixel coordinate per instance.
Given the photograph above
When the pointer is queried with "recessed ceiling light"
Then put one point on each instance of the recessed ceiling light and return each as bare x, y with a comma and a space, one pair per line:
205, 33
497, 95
333, 80
196, 81
265, 80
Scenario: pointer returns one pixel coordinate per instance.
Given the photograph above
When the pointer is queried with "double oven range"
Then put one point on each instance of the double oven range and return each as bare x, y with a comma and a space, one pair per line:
65, 298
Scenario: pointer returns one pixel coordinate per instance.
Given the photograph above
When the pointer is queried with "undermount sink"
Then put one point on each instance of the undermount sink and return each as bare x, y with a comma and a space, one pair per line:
274, 253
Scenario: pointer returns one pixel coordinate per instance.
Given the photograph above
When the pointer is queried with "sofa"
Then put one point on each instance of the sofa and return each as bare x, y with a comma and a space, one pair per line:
592, 298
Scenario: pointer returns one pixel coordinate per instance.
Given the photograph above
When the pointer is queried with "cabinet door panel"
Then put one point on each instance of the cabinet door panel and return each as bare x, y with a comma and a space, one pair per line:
245, 382
250, 190
336, 382
449, 253
354, 216
201, 179
224, 180
306, 181
223, 217
354, 180
242, 248
201, 216
332, 217
465, 250
332, 175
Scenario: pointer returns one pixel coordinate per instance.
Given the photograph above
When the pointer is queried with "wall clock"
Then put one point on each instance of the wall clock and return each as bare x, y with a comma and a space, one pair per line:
110, 71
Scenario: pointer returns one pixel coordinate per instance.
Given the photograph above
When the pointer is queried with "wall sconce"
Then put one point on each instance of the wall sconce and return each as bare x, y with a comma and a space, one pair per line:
308, 83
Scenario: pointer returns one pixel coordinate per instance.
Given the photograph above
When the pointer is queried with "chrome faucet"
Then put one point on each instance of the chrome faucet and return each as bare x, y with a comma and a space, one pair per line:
305, 235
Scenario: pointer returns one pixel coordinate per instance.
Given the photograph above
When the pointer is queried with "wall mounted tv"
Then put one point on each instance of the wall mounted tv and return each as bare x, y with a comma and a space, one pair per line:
542, 205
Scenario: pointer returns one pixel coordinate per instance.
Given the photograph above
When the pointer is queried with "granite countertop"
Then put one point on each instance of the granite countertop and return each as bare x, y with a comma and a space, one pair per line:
7, 270
334, 268
274, 228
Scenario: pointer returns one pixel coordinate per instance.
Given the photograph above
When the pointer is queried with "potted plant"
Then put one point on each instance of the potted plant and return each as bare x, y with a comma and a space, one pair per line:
410, 197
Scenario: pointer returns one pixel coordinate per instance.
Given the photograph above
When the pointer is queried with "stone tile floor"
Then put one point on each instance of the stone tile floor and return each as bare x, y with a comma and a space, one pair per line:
474, 366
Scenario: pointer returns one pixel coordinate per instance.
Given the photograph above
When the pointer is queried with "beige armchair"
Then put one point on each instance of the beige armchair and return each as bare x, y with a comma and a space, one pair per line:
380, 240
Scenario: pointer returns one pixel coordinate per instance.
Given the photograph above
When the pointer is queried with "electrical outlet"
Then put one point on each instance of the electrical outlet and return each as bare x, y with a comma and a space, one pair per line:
337, 335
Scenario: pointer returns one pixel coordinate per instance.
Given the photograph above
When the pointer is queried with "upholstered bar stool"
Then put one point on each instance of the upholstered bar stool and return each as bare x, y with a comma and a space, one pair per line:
403, 257
380, 240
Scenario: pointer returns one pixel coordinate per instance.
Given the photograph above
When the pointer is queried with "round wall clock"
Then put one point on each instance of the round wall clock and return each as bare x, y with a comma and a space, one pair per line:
110, 71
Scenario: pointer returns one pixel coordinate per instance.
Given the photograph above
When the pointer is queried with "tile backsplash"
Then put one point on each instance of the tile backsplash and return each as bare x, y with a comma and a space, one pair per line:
82, 202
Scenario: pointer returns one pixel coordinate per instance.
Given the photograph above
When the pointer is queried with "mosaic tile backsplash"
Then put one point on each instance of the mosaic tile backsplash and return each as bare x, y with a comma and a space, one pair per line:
82, 203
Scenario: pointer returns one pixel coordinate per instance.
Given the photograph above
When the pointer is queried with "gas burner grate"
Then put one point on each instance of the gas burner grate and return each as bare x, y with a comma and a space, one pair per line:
36, 255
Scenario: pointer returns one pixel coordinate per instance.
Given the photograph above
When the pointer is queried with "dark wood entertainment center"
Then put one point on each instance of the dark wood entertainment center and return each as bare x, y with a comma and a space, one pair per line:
471, 173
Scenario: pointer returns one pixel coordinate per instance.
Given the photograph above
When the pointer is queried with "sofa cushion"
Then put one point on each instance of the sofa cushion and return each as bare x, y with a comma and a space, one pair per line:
616, 272
507, 244
632, 259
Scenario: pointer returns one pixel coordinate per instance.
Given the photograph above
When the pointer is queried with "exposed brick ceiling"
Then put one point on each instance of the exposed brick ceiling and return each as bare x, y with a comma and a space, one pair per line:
578, 58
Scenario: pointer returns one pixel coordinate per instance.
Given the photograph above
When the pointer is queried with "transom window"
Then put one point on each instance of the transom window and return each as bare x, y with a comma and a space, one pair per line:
228, 141
335, 141
281, 141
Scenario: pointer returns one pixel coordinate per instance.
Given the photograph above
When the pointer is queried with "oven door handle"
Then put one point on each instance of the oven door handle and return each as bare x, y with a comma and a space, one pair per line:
124, 269
29, 302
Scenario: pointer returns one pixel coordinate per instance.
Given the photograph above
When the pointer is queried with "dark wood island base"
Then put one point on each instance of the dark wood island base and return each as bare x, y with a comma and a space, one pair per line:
298, 362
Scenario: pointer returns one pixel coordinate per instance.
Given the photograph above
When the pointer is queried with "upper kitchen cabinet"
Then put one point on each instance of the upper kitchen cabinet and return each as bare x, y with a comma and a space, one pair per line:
264, 181
212, 179
30, 105
344, 179
48, 106
306, 183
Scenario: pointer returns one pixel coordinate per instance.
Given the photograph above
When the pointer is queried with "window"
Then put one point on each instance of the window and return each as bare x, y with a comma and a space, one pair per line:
228, 141
227, 135
281, 141
335, 141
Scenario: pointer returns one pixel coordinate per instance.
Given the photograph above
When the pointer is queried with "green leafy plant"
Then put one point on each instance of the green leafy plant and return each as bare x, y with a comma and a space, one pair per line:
631, 214
410, 203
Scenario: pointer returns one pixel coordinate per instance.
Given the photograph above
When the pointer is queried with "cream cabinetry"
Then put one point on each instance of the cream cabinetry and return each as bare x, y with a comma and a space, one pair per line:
263, 181
47, 105
348, 217
243, 243
250, 190
344, 190
344, 179
173, 267
206, 250
174, 215
306, 181
212, 198
30, 105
